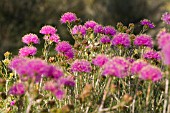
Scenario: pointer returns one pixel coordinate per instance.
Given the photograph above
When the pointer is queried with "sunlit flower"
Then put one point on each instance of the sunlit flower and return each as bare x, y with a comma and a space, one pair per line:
121, 39
147, 22
68, 17
100, 60
27, 51
48, 30
166, 18
30, 38
143, 40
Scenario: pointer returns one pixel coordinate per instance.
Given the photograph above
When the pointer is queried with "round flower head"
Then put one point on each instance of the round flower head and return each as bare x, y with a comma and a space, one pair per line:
147, 22
69, 81
27, 51
105, 39
48, 30
17, 62
69, 54
163, 40
117, 66
78, 30
81, 66
90, 24
166, 18
143, 40
17, 89
12, 103
100, 60
54, 38
137, 66
166, 54
54, 72
121, 39
30, 38
150, 73
98, 29
109, 30
152, 55
68, 17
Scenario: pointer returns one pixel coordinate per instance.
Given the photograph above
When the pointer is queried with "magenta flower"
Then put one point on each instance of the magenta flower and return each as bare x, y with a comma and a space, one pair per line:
117, 66
69, 81
143, 40
166, 54
121, 39
27, 51
48, 30
109, 30
163, 40
98, 29
152, 55
12, 103
105, 39
161, 33
65, 49
17, 89
81, 66
100, 60
147, 22
150, 73
54, 38
166, 18
54, 72
30, 38
79, 30
68, 17
17, 62
90, 24
137, 66
59, 94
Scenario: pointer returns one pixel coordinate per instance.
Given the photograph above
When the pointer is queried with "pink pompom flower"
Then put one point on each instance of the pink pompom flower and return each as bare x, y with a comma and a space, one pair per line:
150, 73
166, 54
121, 39
109, 30
143, 40
30, 39
98, 29
152, 55
117, 66
100, 60
81, 66
48, 30
90, 24
105, 39
166, 18
163, 40
147, 22
78, 30
27, 51
68, 17
17, 89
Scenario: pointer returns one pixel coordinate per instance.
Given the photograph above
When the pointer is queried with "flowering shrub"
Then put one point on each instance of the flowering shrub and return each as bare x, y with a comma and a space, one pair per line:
108, 69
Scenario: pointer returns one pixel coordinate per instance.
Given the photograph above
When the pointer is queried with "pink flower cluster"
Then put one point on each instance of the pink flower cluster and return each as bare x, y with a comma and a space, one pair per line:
79, 30
163, 39
27, 51
30, 39
105, 39
81, 66
109, 30
166, 18
152, 55
90, 24
98, 29
65, 48
17, 89
143, 40
121, 39
68, 17
137, 66
150, 72
117, 66
100, 60
147, 22
48, 30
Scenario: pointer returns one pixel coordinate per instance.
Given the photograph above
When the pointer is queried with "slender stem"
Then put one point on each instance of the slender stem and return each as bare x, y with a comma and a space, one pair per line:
105, 93
166, 94
148, 94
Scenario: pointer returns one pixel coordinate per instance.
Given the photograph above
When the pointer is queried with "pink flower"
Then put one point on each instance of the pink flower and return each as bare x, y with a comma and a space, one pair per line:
147, 22
90, 24
30, 38
105, 39
143, 40
152, 55
166, 18
27, 51
150, 72
12, 103
109, 30
100, 60
117, 66
81, 66
68, 17
48, 30
121, 39
69, 81
54, 72
166, 54
54, 38
79, 30
98, 29
17, 89
163, 40
137, 66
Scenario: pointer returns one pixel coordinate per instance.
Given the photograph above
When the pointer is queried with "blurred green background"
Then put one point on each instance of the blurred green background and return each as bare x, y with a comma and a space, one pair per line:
19, 17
